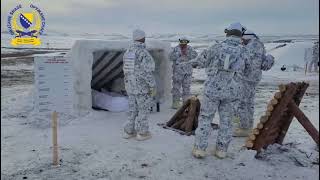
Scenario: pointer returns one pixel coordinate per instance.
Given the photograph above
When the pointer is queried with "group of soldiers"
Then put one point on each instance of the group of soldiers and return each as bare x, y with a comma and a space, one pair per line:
234, 68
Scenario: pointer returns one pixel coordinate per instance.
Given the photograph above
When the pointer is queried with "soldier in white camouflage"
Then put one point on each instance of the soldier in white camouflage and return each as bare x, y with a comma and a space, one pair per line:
315, 58
138, 68
259, 62
182, 72
225, 64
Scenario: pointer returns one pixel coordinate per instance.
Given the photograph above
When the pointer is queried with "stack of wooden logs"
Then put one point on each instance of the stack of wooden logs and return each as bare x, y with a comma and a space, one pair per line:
263, 119
186, 118
281, 110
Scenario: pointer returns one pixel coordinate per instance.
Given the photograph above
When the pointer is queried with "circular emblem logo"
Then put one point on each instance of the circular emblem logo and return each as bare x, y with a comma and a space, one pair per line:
26, 24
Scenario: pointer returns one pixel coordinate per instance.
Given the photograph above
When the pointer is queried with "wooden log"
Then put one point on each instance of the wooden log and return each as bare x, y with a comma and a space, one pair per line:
270, 108
263, 119
304, 121
178, 113
274, 102
273, 132
268, 113
255, 131
183, 126
249, 144
278, 95
177, 124
282, 87
252, 137
260, 126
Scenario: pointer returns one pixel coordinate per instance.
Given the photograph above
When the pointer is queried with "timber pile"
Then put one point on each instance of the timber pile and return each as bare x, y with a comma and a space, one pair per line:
185, 120
280, 111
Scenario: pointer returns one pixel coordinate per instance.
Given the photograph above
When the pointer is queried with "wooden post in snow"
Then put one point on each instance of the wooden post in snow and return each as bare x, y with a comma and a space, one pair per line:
55, 138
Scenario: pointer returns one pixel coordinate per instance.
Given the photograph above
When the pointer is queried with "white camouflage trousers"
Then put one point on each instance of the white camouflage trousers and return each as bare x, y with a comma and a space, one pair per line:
246, 110
181, 82
226, 109
313, 64
139, 109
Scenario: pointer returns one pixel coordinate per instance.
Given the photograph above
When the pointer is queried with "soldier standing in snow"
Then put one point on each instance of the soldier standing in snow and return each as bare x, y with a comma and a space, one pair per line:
252, 76
182, 73
315, 57
140, 85
225, 63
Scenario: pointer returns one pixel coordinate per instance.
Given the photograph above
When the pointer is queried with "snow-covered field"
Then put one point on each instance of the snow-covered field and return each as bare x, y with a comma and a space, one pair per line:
91, 147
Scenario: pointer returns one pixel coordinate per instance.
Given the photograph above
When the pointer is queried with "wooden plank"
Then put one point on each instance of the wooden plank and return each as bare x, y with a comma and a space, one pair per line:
304, 121
55, 138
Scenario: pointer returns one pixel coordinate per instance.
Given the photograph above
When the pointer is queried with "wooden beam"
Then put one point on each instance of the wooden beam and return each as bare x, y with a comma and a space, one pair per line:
304, 121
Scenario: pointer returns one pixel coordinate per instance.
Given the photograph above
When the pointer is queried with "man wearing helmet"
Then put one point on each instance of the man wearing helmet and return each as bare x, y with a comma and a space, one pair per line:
182, 73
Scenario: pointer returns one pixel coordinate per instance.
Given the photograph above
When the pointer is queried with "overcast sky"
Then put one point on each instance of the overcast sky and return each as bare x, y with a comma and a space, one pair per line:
175, 16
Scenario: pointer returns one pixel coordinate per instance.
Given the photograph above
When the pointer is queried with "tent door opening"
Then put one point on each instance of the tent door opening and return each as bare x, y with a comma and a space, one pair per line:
107, 83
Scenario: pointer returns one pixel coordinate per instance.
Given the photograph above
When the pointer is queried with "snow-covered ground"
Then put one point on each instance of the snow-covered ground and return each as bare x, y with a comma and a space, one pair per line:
91, 147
